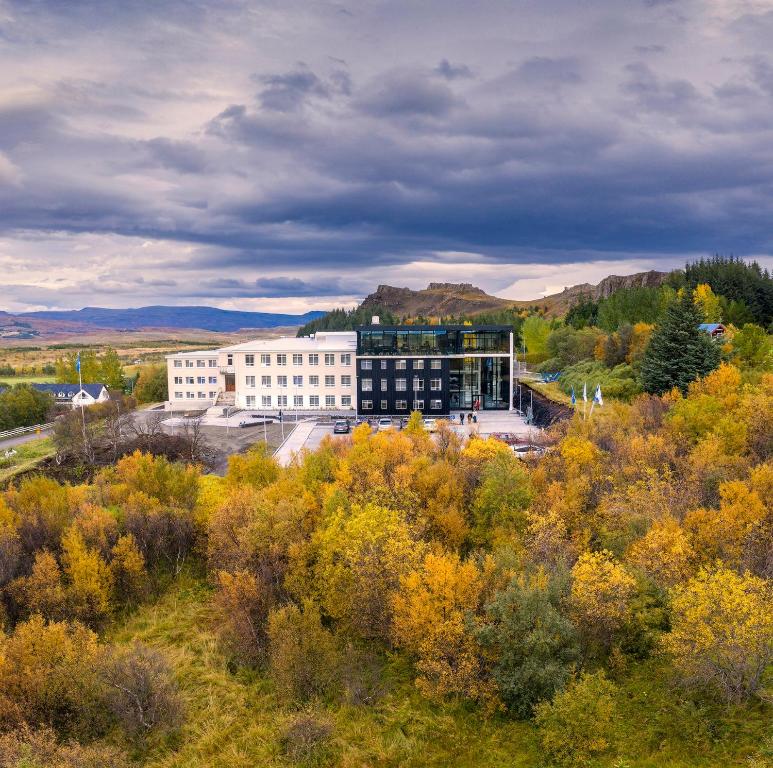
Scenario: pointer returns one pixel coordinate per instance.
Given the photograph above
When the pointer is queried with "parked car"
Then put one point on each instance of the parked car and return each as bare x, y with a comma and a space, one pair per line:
430, 425
341, 427
528, 450
404, 422
385, 424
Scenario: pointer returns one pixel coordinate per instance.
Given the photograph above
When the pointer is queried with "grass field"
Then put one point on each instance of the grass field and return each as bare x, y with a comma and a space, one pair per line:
11, 380
27, 456
234, 720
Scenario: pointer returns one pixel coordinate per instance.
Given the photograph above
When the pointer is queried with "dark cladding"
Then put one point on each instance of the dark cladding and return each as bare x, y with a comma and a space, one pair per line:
434, 369
432, 339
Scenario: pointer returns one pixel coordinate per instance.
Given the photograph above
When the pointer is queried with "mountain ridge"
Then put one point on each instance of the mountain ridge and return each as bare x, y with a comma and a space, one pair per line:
444, 299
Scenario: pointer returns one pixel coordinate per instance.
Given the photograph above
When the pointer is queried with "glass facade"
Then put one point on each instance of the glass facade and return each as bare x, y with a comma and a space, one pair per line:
436, 369
432, 340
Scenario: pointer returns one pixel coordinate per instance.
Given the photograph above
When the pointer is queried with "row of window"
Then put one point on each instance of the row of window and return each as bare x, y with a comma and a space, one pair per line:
297, 358
212, 363
401, 365
401, 385
200, 395
298, 401
281, 381
402, 405
197, 380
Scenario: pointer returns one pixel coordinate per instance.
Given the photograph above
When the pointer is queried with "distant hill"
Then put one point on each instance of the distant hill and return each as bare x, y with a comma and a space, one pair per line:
204, 318
436, 300
453, 299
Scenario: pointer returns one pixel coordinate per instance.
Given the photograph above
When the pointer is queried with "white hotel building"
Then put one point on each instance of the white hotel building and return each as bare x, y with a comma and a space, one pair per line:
308, 373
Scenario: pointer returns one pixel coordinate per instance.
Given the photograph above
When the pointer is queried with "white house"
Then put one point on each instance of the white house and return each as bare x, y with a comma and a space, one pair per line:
75, 395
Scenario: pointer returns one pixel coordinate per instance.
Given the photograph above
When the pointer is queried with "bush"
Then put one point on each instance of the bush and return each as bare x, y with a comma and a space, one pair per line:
139, 690
532, 646
303, 656
28, 748
48, 677
619, 382
305, 736
579, 723
722, 632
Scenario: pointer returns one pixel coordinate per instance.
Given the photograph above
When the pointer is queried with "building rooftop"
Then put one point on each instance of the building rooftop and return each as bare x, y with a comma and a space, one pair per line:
711, 327
468, 328
200, 353
70, 390
321, 341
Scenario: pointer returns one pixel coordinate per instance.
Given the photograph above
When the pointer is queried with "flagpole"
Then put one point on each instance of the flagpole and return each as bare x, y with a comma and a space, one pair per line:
80, 398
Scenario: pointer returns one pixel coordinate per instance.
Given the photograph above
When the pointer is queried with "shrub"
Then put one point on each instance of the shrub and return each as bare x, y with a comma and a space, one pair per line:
47, 676
722, 632
618, 383
29, 748
243, 601
139, 690
532, 647
303, 657
305, 736
579, 723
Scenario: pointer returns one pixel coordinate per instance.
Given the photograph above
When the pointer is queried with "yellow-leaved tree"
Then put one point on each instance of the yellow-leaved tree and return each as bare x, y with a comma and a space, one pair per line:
722, 631
362, 555
431, 612
601, 593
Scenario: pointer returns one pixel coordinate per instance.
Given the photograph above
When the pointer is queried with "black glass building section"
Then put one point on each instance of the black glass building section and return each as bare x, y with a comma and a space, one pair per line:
432, 369
432, 340
396, 387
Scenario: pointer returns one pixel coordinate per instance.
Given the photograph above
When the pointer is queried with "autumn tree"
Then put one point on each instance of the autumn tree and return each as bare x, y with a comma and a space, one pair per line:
362, 556
431, 609
722, 632
89, 580
579, 724
600, 595
303, 655
243, 602
48, 676
152, 385
128, 573
708, 303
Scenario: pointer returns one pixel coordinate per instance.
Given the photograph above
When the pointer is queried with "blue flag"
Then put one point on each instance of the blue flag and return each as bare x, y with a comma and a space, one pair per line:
597, 397
78, 363
574, 397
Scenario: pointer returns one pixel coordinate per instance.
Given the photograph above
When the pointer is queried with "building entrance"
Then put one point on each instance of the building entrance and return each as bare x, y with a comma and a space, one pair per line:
481, 379
230, 382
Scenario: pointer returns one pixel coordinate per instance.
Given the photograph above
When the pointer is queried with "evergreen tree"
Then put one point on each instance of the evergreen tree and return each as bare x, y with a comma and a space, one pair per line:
678, 351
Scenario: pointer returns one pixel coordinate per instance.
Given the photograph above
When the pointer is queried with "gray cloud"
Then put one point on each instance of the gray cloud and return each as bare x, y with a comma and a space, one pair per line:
235, 151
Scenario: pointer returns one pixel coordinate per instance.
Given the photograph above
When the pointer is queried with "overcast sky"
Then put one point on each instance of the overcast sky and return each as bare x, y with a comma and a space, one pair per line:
288, 155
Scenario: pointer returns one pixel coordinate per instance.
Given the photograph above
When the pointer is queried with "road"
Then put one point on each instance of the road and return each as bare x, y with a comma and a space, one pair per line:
22, 439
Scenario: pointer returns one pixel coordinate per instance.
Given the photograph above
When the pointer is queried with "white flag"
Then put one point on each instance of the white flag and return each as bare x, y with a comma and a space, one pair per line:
585, 392
597, 397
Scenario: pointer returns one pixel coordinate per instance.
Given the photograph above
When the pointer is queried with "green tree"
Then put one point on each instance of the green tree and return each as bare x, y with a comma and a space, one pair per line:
678, 352
111, 370
535, 332
67, 373
23, 406
753, 346
531, 645
152, 385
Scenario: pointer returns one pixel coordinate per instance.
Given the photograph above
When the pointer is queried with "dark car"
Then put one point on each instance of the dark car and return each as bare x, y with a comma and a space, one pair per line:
341, 427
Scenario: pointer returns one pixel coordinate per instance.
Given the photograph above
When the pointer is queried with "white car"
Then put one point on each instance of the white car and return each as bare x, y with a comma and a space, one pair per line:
430, 425
527, 451
384, 425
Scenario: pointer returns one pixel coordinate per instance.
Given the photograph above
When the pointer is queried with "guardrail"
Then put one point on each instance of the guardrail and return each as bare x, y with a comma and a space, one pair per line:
24, 430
